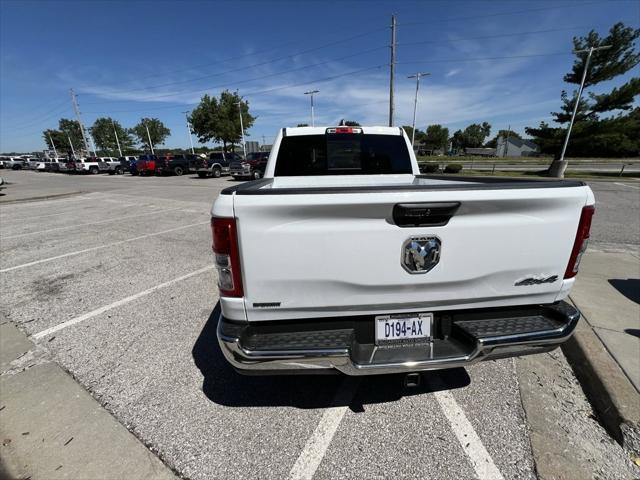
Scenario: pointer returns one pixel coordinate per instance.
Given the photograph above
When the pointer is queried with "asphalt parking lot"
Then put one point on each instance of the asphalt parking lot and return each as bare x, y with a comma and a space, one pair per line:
117, 283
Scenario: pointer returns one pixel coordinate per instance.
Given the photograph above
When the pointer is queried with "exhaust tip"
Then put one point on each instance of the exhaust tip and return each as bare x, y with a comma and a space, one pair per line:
412, 380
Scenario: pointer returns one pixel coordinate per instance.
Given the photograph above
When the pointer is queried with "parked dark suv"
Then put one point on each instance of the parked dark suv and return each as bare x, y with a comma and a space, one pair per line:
253, 167
217, 164
177, 164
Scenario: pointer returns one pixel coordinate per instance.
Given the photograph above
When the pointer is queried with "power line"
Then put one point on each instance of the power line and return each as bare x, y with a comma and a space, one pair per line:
247, 67
233, 84
501, 14
500, 35
472, 59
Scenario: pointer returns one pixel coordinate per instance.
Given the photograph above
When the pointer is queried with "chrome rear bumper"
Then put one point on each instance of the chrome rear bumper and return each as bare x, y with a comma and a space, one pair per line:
470, 341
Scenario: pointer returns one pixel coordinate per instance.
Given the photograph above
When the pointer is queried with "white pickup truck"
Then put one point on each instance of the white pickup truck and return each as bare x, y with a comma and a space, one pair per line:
344, 257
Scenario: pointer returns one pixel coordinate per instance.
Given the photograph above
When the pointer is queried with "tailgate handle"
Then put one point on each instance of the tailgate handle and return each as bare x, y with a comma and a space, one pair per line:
433, 214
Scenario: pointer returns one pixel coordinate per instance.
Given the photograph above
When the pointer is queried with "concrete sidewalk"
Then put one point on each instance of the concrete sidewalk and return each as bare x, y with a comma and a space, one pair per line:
51, 427
605, 350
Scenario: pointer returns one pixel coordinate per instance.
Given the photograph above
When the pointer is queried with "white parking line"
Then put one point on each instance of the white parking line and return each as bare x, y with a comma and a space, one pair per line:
468, 438
92, 249
89, 224
119, 303
313, 452
625, 185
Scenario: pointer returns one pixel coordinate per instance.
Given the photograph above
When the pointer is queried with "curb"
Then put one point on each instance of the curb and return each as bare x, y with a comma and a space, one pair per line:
613, 397
44, 197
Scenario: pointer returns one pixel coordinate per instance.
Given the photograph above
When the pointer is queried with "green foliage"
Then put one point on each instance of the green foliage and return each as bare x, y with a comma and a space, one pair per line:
472, 137
493, 143
59, 139
593, 135
420, 136
219, 119
103, 133
71, 128
302, 125
351, 123
430, 167
157, 131
453, 168
436, 137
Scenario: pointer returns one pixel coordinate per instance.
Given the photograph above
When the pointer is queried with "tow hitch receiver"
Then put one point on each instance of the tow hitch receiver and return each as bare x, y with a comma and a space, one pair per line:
412, 380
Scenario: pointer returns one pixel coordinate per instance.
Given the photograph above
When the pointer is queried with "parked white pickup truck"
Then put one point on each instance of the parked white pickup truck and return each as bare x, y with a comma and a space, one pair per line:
344, 257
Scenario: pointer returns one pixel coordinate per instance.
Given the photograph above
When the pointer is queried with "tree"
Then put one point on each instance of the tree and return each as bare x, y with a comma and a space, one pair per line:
157, 131
472, 137
71, 129
302, 125
350, 123
604, 65
436, 137
602, 124
419, 134
219, 119
59, 139
493, 143
103, 133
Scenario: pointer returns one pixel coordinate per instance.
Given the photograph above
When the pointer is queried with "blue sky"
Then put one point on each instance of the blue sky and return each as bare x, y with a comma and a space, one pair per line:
133, 59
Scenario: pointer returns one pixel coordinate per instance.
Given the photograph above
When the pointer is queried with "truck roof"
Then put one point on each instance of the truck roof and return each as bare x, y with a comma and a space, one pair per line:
376, 130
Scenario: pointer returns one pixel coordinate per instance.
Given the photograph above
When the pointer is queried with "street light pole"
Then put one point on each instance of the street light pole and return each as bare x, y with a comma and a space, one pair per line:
244, 145
116, 134
149, 137
189, 130
53, 145
312, 93
73, 152
559, 166
415, 103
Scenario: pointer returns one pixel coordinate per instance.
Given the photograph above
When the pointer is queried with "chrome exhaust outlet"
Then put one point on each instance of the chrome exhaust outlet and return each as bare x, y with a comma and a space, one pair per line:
412, 380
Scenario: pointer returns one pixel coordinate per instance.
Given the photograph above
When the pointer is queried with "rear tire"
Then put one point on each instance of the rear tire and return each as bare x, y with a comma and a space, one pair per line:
178, 171
217, 173
94, 170
119, 171
256, 175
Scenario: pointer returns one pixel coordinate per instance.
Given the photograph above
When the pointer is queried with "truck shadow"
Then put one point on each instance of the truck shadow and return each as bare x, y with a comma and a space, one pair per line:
629, 287
223, 385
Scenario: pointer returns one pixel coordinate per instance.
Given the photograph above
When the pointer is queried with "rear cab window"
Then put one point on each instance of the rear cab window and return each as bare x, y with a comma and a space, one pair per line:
342, 154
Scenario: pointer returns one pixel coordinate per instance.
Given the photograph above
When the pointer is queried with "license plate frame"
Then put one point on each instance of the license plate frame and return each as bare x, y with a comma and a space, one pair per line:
418, 328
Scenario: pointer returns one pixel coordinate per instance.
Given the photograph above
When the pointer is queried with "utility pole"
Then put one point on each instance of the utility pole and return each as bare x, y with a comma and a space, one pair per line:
53, 145
76, 108
73, 152
115, 131
244, 145
506, 142
149, 137
417, 76
312, 93
263, 141
392, 67
189, 130
559, 166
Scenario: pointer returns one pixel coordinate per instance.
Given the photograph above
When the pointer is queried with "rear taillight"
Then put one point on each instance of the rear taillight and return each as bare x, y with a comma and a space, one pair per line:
225, 248
582, 239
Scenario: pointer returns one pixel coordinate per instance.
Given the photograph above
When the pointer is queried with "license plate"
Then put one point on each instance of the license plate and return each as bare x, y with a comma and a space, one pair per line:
397, 328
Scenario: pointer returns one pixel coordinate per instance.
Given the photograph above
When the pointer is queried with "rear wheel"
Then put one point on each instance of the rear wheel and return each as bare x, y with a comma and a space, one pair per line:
217, 173
119, 171
178, 171
256, 174
94, 170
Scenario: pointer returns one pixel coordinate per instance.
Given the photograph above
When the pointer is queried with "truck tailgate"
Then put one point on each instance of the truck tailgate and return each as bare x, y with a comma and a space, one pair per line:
325, 254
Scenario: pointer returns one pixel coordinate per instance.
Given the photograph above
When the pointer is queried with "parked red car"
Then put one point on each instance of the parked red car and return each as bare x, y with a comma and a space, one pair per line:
146, 164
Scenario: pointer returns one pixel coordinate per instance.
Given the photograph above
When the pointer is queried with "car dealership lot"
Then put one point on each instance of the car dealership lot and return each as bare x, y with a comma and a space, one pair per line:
117, 283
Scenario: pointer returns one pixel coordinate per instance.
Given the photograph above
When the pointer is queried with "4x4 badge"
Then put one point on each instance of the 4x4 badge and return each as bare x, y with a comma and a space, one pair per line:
420, 254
